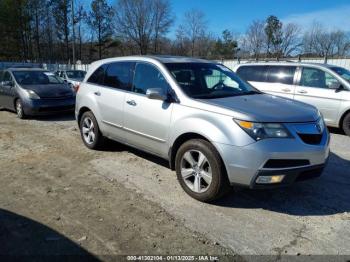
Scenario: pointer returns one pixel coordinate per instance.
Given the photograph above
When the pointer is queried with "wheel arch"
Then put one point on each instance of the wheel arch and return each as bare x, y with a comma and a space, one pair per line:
342, 118
181, 140
82, 110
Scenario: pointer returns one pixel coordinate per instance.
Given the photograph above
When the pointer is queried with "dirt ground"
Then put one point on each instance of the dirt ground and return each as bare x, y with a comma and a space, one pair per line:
53, 202
58, 197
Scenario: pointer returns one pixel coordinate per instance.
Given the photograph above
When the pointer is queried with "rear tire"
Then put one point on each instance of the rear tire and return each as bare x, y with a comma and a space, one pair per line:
346, 124
19, 109
200, 170
90, 131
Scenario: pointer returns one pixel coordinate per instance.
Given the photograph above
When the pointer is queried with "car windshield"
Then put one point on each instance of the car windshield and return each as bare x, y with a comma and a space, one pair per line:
35, 78
76, 74
342, 72
209, 81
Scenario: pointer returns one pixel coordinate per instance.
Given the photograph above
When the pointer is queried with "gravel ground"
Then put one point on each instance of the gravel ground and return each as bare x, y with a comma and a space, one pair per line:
58, 197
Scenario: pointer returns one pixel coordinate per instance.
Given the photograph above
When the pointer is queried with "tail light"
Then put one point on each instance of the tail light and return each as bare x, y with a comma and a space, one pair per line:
76, 88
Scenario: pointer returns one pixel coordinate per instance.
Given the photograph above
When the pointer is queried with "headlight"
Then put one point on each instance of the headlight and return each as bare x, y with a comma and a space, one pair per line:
260, 131
32, 94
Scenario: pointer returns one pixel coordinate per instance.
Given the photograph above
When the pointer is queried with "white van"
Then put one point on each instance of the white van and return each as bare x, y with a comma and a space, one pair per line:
325, 86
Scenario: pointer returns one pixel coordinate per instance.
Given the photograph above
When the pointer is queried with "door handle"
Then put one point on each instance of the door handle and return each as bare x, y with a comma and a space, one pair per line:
302, 92
286, 90
97, 93
131, 102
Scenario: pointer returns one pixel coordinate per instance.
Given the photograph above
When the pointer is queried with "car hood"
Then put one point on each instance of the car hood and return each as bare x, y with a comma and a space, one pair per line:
50, 91
267, 108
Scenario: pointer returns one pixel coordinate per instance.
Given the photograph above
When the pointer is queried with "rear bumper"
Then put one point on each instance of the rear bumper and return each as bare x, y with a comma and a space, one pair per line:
49, 106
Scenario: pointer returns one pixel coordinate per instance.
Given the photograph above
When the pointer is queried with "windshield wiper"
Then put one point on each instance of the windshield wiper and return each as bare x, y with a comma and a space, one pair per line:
252, 93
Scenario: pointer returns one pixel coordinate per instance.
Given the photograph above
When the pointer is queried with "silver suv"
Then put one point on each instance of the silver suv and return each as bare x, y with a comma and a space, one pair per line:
326, 87
214, 129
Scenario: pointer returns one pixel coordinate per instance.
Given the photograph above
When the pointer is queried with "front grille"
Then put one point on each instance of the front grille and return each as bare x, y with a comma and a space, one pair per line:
56, 108
312, 139
286, 163
57, 97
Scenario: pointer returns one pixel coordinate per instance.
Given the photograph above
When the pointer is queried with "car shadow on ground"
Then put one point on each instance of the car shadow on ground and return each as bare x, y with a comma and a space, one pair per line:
24, 238
58, 117
326, 195
62, 117
113, 146
335, 130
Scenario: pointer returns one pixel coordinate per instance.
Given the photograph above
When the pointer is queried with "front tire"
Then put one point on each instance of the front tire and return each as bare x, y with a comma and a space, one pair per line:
346, 124
19, 109
90, 131
200, 170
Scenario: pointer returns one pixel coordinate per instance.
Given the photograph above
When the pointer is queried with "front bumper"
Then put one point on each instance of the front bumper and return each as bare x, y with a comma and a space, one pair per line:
299, 160
49, 106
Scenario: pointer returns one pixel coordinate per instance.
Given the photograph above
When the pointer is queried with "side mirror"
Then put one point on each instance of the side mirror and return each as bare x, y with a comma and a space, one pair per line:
156, 93
334, 85
337, 87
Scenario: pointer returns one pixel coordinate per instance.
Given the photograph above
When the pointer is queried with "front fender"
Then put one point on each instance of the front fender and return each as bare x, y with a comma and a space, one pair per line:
214, 127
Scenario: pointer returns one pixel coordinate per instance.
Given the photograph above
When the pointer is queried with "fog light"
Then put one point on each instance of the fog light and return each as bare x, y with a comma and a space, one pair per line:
269, 179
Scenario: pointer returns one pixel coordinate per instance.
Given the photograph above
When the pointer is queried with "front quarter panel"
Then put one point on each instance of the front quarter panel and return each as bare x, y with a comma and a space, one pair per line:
215, 127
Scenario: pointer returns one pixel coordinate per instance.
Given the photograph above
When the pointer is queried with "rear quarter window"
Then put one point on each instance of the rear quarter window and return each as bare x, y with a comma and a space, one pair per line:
253, 73
98, 76
281, 74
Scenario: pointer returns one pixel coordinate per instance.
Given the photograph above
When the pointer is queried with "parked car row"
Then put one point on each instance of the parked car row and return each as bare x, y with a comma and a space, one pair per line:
32, 91
72, 77
215, 129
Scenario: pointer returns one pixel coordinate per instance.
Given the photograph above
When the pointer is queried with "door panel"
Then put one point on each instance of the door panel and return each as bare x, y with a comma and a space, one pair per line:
7, 92
111, 107
280, 81
111, 97
277, 89
147, 120
314, 88
274, 79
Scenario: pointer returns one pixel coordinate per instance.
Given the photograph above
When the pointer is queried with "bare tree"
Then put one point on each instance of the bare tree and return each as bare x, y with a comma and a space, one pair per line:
322, 42
194, 27
341, 42
163, 20
142, 21
255, 38
290, 40
99, 20
61, 9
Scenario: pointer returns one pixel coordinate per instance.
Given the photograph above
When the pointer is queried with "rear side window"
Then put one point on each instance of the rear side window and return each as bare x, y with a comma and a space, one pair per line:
253, 73
281, 74
148, 76
119, 75
313, 77
7, 77
98, 76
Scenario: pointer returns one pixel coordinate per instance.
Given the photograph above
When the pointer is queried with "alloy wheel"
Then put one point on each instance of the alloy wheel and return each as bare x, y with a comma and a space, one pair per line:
19, 109
88, 130
196, 171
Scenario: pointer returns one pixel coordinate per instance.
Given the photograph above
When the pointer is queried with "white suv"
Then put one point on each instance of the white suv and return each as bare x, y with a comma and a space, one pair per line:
324, 86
